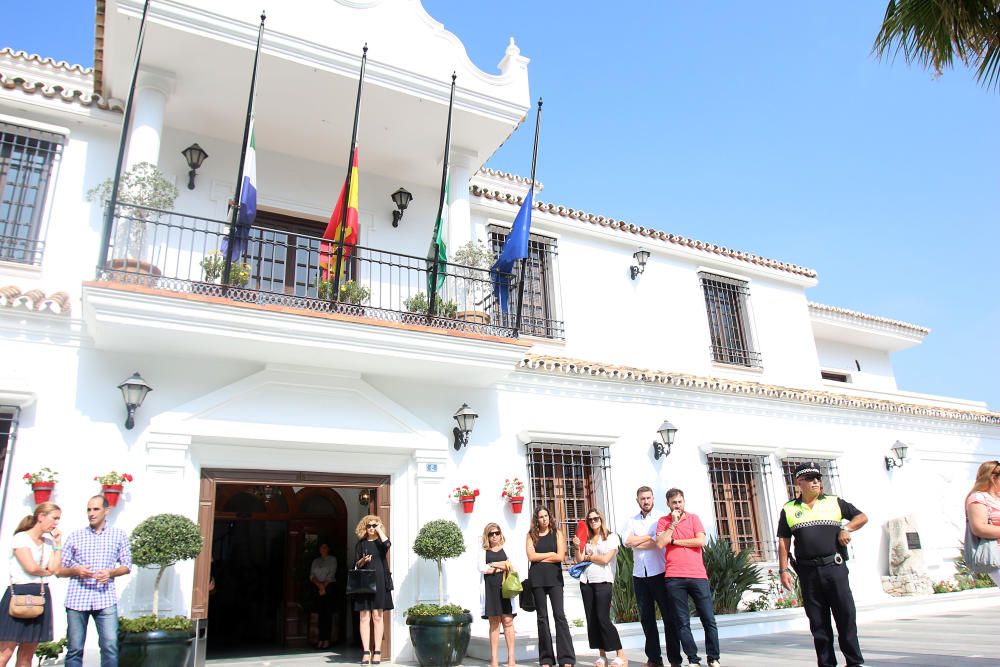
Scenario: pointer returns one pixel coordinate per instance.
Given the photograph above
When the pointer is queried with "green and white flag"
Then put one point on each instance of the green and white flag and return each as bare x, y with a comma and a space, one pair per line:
438, 247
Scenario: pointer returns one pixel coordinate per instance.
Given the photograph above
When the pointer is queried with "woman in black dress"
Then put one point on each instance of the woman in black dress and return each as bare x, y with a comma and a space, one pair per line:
546, 549
371, 551
498, 609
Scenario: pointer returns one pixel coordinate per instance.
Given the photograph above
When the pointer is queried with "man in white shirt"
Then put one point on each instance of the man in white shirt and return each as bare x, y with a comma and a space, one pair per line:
649, 583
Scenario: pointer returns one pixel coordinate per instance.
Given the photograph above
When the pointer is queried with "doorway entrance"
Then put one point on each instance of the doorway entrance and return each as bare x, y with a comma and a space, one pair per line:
265, 529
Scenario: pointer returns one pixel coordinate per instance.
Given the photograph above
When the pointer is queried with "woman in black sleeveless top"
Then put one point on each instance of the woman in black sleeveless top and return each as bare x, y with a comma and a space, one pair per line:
546, 549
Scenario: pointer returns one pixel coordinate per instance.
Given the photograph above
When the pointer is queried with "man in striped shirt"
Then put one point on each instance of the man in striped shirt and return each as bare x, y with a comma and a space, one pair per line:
93, 557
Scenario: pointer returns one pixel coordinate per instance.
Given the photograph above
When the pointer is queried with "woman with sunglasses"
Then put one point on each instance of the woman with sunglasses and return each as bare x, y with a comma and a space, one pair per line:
982, 506
595, 587
546, 549
493, 565
372, 548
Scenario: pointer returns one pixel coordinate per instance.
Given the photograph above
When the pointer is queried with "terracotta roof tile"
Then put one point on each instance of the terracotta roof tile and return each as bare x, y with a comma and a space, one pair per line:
507, 176
823, 308
567, 366
47, 62
56, 91
647, 232
11, 296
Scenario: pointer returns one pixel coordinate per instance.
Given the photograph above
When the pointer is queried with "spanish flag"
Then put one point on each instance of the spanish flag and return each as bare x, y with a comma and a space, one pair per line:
331, 237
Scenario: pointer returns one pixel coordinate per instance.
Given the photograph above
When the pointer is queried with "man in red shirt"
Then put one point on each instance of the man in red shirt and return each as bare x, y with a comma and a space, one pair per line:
683, 535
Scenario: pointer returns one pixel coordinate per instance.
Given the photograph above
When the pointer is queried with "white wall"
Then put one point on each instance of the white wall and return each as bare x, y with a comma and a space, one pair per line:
876, 365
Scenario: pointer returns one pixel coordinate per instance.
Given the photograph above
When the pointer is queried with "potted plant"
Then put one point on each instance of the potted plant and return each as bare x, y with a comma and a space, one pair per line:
41, 483
351, 291
439, 632
513, 491
48, 652
145, 187
112, 485
471, 262
214, 265
418, 304
159, 541
466, 496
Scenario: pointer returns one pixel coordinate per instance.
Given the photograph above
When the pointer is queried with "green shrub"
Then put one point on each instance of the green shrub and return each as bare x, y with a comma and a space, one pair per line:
151, 623
350, 291
730, 574
425, 609
439, 540
623, 602
50, 649
418, 304
967, 579
162, 540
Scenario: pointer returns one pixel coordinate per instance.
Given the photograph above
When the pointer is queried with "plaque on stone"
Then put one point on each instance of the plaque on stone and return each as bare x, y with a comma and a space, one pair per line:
913, 540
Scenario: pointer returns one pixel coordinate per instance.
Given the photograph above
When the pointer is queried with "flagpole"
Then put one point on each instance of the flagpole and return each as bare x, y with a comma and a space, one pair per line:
102, 257
524, 262
243, 158
444, 185
350, 174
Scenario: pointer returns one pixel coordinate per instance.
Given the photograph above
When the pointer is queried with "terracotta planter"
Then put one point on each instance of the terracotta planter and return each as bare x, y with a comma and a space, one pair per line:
474, 316
516, 504
468, 502
112, 492
42, 491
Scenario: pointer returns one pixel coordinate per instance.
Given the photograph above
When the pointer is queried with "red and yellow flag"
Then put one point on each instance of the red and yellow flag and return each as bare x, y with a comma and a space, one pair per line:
331, 237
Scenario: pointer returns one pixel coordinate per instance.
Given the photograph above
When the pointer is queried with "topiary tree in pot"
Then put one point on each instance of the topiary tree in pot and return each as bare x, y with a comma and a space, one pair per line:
439, 632
159, 542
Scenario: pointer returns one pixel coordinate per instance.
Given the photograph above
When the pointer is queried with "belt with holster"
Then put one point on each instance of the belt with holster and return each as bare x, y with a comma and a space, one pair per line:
835, 559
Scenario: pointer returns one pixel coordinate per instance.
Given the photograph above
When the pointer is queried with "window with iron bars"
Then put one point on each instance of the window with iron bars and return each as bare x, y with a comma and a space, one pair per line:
8, 432
27, 160
827, 468
740, 493
727, 301
568, 481
540, 315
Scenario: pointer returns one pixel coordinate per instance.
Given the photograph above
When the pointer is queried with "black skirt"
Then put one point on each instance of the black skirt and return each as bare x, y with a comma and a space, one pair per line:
25, 630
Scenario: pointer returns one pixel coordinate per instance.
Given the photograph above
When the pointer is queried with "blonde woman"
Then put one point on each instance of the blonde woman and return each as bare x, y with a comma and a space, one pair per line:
35, 554
595, 587
371, 551
982, 506
493, 564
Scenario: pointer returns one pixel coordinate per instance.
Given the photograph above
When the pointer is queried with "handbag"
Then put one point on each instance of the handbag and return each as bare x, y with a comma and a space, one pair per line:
526, 599
576, 571
981, 555
511, 585
27, 605
360, 581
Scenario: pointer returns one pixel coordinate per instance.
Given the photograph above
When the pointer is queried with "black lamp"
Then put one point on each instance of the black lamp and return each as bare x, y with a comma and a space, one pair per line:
641, 255
899, 449
466, 418
401, 198
667, 433
134, 392
365, 497
195, 155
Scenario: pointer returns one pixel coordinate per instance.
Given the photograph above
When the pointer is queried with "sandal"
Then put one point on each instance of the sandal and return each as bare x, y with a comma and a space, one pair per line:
600, 662
377, 660
618, 662
363, 661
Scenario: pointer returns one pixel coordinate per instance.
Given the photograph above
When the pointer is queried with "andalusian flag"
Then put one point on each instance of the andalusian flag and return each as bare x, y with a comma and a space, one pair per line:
248, 202
328, 248
438, 247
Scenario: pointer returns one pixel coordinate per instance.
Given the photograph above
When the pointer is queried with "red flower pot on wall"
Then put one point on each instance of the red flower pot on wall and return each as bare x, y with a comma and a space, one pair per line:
468, 502
112, 492
516, 504
42, 491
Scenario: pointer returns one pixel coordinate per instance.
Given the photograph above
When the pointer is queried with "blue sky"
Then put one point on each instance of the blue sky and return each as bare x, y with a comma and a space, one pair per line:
766, 127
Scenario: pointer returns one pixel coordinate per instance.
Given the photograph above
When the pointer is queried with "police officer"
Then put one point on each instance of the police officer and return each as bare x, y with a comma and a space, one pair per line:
815, 520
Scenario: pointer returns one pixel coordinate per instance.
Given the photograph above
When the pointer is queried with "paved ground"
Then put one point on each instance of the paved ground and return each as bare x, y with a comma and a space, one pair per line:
959, 639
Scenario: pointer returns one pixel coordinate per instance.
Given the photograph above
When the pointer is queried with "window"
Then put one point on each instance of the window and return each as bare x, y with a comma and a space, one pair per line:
835, 376
539, 316
568, 480
8, 433
827, 468
740, 484
729, 323
27, 158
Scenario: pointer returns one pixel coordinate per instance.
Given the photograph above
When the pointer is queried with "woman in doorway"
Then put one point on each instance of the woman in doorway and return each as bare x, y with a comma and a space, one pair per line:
595, 587
493, 565
546, 549
373, 546
322, 575
35, 554
982, 506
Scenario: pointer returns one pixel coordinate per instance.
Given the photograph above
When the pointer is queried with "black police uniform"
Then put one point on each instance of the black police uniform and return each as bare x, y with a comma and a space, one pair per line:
819, 563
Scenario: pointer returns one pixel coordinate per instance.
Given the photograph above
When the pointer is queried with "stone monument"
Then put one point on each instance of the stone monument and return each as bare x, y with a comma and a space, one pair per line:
907, 574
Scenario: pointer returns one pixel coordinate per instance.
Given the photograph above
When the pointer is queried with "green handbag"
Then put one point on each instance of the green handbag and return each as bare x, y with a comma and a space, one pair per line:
511, 586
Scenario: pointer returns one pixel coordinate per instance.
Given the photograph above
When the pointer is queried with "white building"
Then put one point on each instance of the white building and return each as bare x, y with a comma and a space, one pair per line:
272, 410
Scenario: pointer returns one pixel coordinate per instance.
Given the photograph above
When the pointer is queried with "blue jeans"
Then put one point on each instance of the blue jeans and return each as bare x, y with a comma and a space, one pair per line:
679, 588
106, 621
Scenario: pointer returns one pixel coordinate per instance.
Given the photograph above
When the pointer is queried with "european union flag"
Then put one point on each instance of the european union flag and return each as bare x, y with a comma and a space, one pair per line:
515, 248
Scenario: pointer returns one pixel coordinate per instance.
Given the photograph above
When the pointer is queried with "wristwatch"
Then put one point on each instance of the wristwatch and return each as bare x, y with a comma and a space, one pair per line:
783, 570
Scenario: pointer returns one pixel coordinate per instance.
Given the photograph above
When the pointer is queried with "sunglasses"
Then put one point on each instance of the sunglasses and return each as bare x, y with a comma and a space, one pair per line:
494, 533
809, 478
593, 518
373, 525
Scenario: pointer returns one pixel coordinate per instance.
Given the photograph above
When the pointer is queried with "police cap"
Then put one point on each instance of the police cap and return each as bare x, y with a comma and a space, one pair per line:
807, 468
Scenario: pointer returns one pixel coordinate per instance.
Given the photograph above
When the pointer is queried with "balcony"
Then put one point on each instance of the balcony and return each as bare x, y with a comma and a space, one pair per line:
163, 286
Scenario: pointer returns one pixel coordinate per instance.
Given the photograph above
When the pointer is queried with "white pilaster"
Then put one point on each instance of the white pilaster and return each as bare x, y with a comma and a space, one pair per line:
152, 92
463, 165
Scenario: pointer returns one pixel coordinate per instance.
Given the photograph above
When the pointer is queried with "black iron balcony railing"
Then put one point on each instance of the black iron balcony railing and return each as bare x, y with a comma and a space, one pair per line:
20, 250
183, 253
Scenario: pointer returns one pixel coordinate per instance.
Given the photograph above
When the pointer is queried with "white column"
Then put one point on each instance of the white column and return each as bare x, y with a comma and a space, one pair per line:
460, 230
431, 468
151, 94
